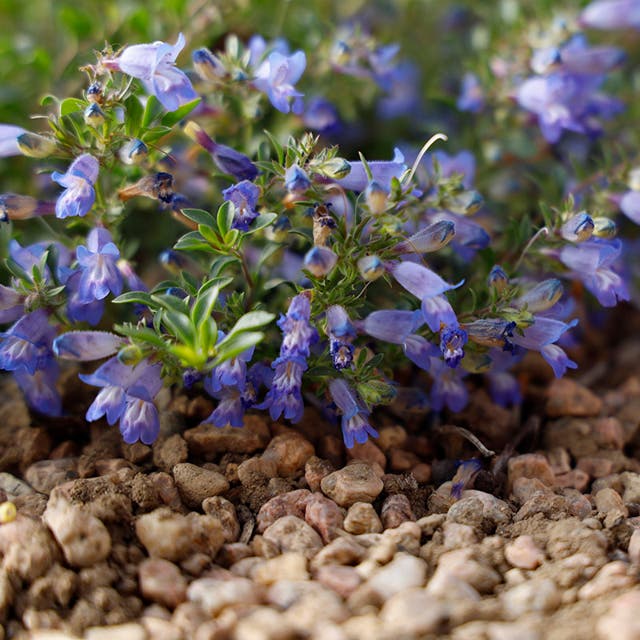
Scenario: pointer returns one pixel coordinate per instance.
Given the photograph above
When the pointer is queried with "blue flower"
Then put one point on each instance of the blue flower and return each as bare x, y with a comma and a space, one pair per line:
296, 180
100, 274
276, 77
321, 115
471, 96
382, 172
448, 388
27, 343
611, 14
140, 420
285, 395
39, 388
79, 194
154, 65
9, 140
230, 409
87, 345
244, 196
341, 334
355, 423
452, 341
298, 334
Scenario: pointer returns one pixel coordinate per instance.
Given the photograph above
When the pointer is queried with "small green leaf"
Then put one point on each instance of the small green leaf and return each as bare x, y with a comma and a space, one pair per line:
203, 306
200, 216
152, 110
193, 241
171, 303
144, 334
252, 320
69, 105
262, 221
225, 216
171, 118
234, 345
48, 100
152, 135
180, 326
16, 270
210, 236
133, 117
135, 297
277, 147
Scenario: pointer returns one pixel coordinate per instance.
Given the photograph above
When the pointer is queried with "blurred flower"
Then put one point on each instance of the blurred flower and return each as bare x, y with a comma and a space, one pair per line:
9, 140
244, 196
341, 334
382, 172
355, 422
471, 96
100, 274
276, 77
611, 14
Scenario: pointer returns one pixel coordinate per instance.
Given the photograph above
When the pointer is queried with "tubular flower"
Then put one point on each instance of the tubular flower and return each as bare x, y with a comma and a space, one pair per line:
276, 77
355, 423
244, 196
341, 334
79, 194
98, 264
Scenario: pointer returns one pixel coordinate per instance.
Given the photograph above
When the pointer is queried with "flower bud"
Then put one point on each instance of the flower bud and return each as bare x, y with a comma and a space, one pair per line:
296, 180
466, 203
207, 66
542, 297
173, 261
130, 355
578, 227
134, 152
370, 268
336, 168
604, 227
93, 115
33, 145
323, 224
432, 238
319, 261
498, 278
158, 186
17, 207
376, 198
94, 93
279, 230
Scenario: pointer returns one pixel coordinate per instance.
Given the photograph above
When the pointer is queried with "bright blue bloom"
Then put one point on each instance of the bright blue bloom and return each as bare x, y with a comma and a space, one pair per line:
244, 196
420, 351
452, 341
437, 312
208, 66
276, 77
100, 274
140, 420
298, 334
230, 409
296, 180
285, 395
497, 278
470, 236
154, 65
390, 325
592, 262
9, 140
355, 423
402, 97
78, 310
465, 473
11, 304
540, 297
611, 14
27, 343
447, 165
230, 373
79, 194
341, 334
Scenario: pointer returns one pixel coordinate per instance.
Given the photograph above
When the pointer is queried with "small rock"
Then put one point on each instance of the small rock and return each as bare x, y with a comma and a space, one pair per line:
292, 503
324, 515
550, 505
614, 575
290, 452
14, 487
512, 630
83, 538
315, 469
294, 534
402, 461
162, 582
314, 608
422, 472
525, 488
44, 475
172, 536
195, 483
461, 564
457, 536
288, 566
356, 482
576, 479
368, 452
396, 509
257, 470
634, 547
128, 631
559, 460
224, 511
524, 553
362, 518
430, 524
595, 467
340, 551
392, 437
264, 623
481, 510
530, 465
209, 441
631, 483
413, 613
343, 580
621, 620
214, 595
170, 452
532, 596
567, 397
610, 504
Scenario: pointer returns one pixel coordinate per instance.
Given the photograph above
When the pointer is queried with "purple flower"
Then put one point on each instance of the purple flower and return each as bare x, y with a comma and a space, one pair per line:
298, 334
11, 304
355, 423
400, 83
276, 77
86, 345
540, 297
431, 238
40, 389
630, 205
390, 325
77, 309
446, 165
26, 344
285, 395
296, 180
448, 388
578, 227
230, 409
611, 14
79, 194
437, 312
382, 172
139, 421
592, 263
320, 261
321, 115
452, 341
341, 334
503, 385
100, 274
9, 140
154, 65
244, 196
471, 96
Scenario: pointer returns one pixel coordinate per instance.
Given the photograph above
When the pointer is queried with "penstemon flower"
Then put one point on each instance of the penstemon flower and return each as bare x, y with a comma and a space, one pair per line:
79, 194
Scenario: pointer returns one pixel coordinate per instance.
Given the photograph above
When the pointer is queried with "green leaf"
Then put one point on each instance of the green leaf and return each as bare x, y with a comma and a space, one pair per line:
48, 99
144, 334
152, 110
16, 270
203, 306
171, 303
171, 118
234, 345
210, 236
220, 263
225, 216
133, 117
193, 241
251, 320
69, 105
262, 221
151, 135
135, 297
180, 326
277, 147
200, 216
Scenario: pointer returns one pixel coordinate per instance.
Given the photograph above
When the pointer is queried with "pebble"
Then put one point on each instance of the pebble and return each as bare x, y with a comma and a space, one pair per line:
461, 564
83, 538
294, 534
412, 613
369, 452
287, 566
213, 595
224, 511
195, 484
362, 518
341, 551
530, 465
314, 470
357, 482
457, 536
634, 547
290, 451
256, 470
537, 595
315, 606
566, 397
128, 631
595, 467
396, 509
576, 479
343, 580
264, 623
392, 437
161, 581
324, 515
170, 452
480, 509
172, 536
524, 553
44, 475
209, 441
292, 503
613, 575
621, 620
631, 484
525, 488
14, 487
609, 503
